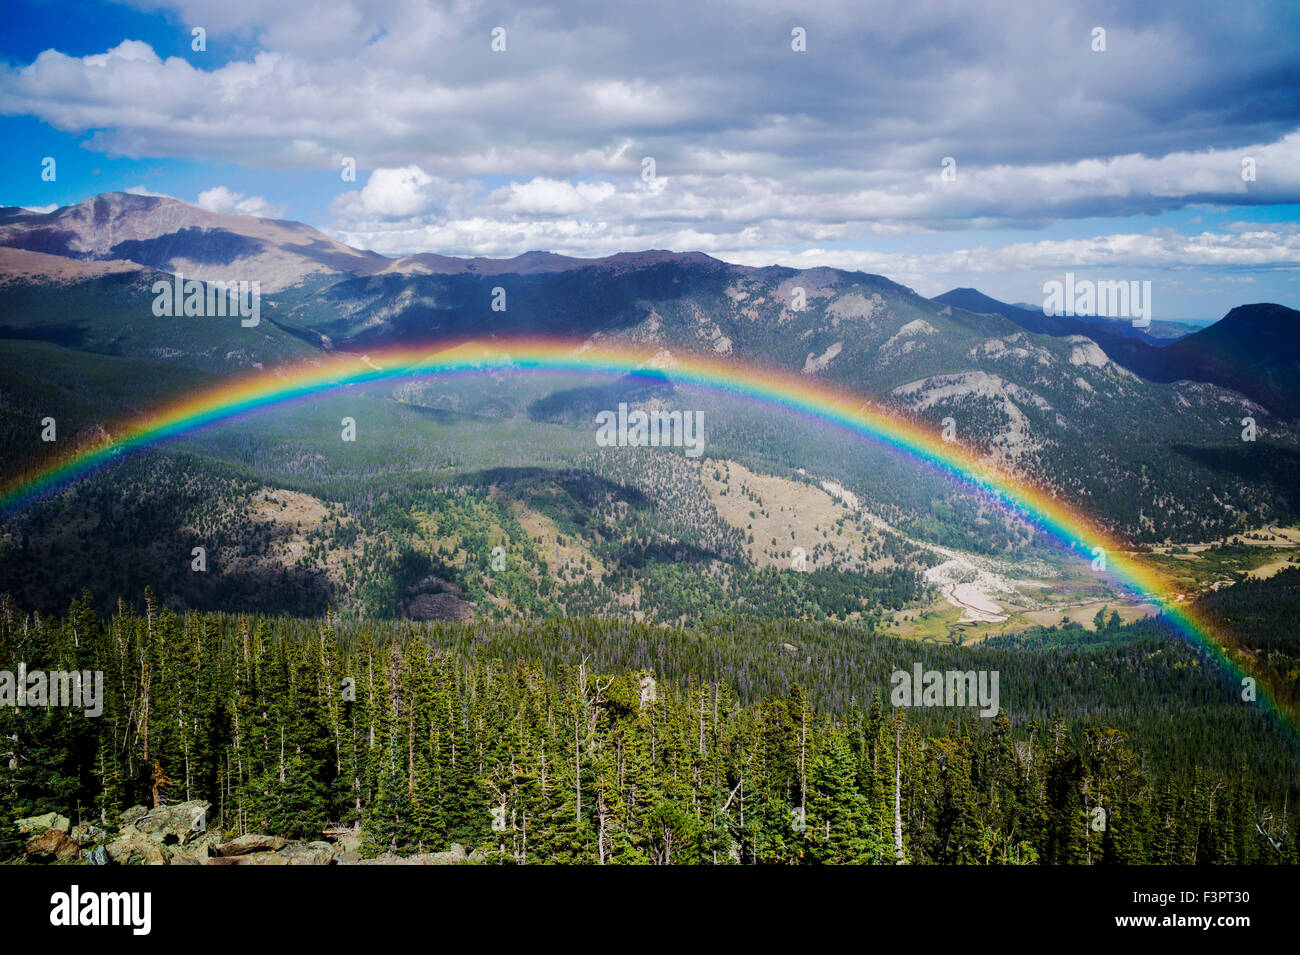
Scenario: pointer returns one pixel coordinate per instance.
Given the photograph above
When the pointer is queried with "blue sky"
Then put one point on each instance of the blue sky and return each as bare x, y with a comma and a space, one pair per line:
1122, 163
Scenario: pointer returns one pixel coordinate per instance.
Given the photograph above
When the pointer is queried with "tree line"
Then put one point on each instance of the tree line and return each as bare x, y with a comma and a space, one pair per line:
290, 726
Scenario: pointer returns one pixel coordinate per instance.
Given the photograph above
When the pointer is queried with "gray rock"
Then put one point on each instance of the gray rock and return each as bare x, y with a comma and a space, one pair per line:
252, 842
308, 853
131, 846
387, 858
453, 856
173, 825
254, 858
350, 841
206, 844
87, 834
199, 849
133, 815
51, 820
97, 856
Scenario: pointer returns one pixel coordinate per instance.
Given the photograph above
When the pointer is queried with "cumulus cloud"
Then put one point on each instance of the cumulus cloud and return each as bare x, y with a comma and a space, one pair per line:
552, 197
221, 199
879, 97
145, 191
391, 193
762, 154
764, 221
1265, 250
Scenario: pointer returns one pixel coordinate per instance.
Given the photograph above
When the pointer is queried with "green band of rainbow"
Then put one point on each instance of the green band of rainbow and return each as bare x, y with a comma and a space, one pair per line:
768, 386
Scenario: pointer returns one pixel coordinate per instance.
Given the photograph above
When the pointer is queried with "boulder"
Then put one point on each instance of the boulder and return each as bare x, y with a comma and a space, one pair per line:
196, 850
87, 834
387, 858
130, 817
51, 845
175, 825
51, 820
308, 853
253, 842
253, 858
97, 856
350, 841
131, 846
453, 856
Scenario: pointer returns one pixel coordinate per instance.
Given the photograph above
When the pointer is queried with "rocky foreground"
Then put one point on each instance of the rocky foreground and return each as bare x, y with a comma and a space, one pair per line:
179, 835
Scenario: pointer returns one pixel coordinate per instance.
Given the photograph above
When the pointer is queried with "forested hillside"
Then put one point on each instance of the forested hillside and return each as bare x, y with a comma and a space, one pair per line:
590, 741
1052, 406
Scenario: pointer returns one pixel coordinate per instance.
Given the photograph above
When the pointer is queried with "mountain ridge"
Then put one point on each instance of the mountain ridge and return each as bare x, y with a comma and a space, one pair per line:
1055, 409
1220, 353
818, 320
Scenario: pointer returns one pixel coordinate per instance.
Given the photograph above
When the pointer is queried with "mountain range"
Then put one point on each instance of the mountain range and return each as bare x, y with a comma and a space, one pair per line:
1254, 349
1146, 436
369, 298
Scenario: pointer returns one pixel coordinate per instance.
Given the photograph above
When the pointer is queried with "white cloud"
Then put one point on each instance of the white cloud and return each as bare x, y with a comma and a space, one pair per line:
763, 156
145, 191
712, 91
541, 196
391, 194
1278, 249
764, 221
221, 199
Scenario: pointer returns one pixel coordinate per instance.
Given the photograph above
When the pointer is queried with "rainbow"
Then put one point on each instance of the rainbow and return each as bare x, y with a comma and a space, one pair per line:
768, 386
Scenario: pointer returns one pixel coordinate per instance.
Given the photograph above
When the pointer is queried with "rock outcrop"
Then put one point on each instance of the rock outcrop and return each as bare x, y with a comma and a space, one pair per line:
51, 845
178, 835
250, 843
51, 820
175, 825
453, 856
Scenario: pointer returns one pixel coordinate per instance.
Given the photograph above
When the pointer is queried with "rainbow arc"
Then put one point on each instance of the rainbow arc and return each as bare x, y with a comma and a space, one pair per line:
799, 394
